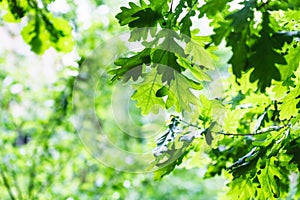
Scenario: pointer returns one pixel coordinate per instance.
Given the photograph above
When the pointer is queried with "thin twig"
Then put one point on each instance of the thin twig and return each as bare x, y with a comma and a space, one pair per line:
269, 129
189, 124
259, 132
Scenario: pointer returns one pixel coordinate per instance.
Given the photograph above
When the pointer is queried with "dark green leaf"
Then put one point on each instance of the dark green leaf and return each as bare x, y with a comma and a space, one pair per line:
131, 67
162, 92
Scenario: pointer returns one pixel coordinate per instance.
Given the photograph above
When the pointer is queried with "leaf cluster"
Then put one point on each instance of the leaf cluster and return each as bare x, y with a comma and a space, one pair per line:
253, 130
43, 29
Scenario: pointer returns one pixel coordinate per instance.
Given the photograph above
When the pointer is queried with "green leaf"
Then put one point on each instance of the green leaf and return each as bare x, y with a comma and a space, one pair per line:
165, 58
264, 46
41, 33
144, 94
131, 67
144, 18
160, 173
60, 33
170, 150
208, 137
241, 18
196, 70
212, 7
232, 119
162, 92
243, 84
125, 17
237, 38
141, 16
166, 139
295, 4
205, 108
288, 108
220, 32
169, 167
242, 188
166, 64
279, 90
198, 54
9, 17
293, 62
240, 49
34, 34
246, 162
180, 94
17, 8
269, 179
186, 24
160, 6
172, 157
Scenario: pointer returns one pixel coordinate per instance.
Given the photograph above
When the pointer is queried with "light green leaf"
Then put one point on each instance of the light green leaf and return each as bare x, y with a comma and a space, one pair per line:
279, 90
232, 119
60, 33
160, 6
269, 178
293, 62
145, 93
180, 94
288, 108
257, 99
41, 33
36, 36
197, 53
242, 188
195, 69
9, 17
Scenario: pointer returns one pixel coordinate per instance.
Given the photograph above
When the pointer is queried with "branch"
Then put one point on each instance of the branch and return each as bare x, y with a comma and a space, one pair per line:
259, 132
263, 131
